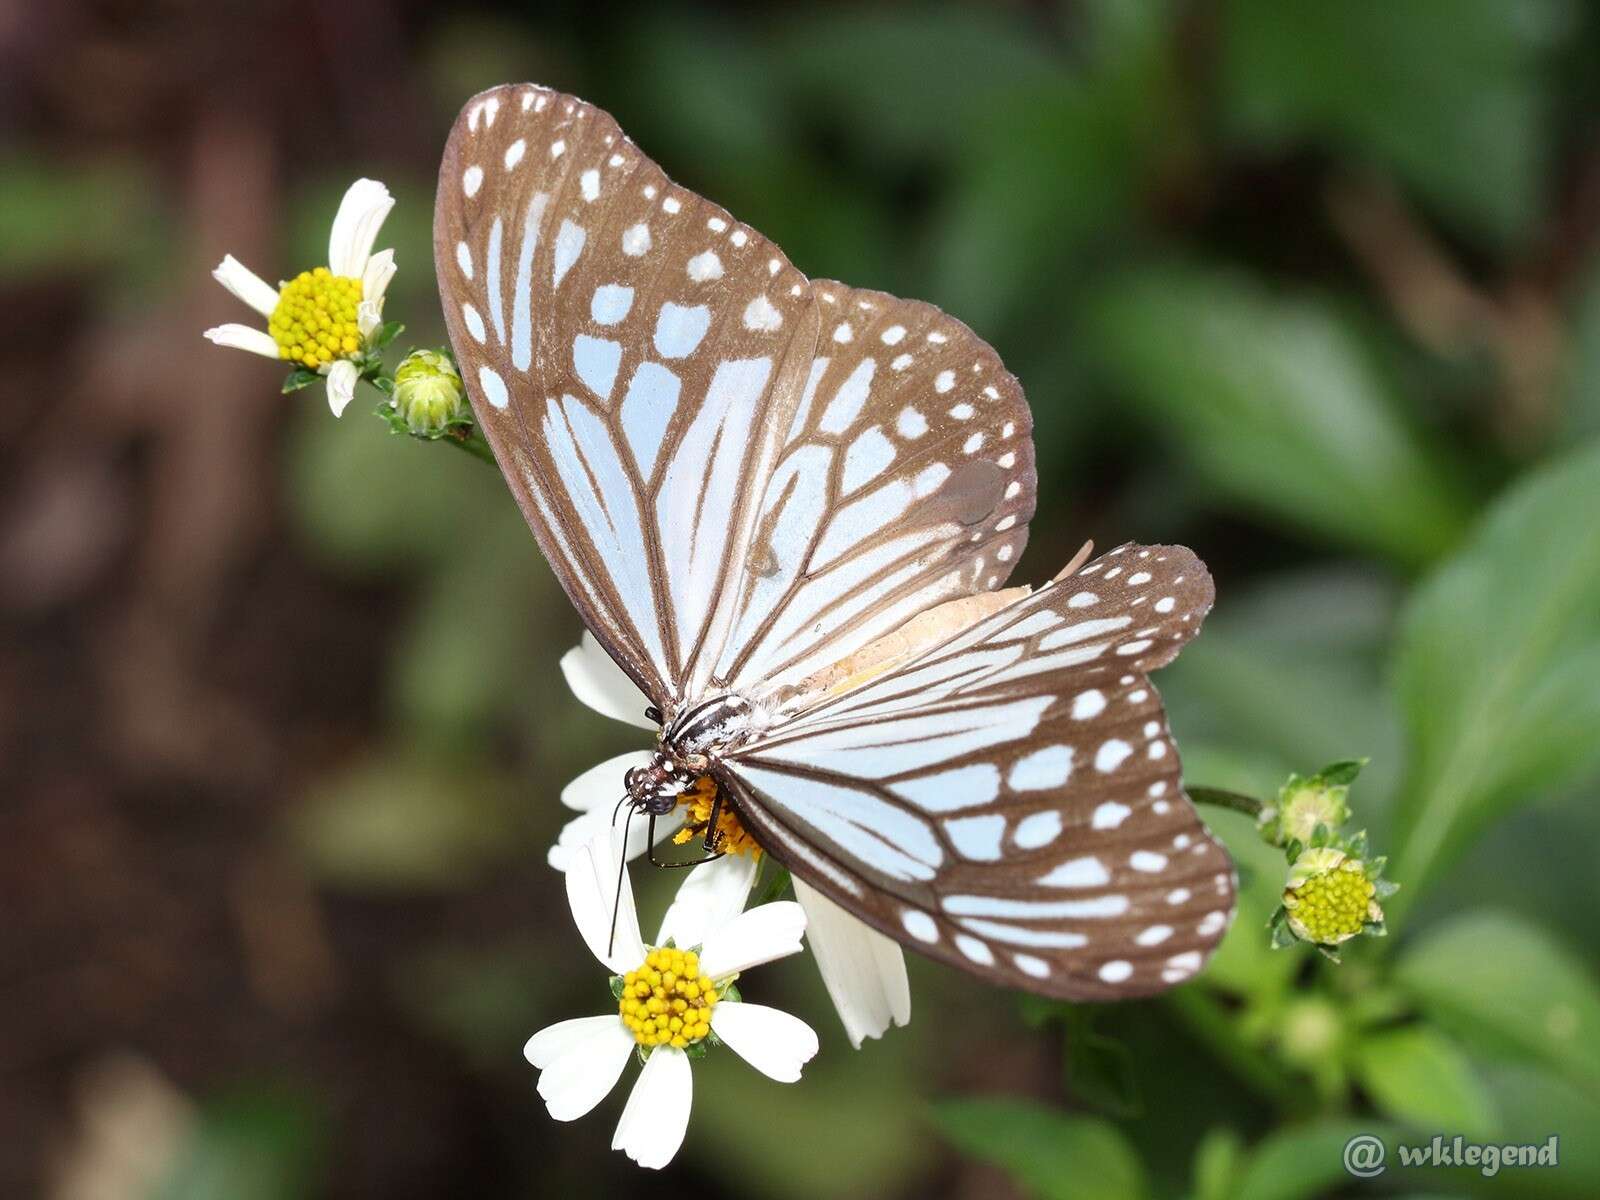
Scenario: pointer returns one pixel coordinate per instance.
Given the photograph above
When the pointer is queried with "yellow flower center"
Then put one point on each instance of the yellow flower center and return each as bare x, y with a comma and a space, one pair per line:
698, 799
315, 321
1331, 907
668, 1001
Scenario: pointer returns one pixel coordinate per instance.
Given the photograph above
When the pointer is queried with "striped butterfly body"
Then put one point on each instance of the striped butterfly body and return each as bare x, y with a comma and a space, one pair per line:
787, 509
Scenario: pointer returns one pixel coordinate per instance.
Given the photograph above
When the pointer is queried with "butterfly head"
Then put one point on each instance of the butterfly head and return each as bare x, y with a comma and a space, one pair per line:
656, 787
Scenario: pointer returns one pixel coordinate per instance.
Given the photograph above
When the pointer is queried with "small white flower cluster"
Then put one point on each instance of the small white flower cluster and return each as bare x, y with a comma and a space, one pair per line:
677, 994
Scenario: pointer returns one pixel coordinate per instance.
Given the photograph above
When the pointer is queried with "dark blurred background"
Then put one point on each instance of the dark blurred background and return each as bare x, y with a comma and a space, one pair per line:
1309, 286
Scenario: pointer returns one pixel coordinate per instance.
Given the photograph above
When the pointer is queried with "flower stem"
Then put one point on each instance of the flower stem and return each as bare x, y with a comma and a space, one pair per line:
1221, 798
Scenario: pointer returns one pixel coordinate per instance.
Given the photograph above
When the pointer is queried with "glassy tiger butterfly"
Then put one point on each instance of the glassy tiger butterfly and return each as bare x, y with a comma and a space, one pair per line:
786, 507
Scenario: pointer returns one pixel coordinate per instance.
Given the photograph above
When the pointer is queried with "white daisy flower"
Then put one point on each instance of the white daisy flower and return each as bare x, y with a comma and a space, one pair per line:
864, 971
673, 998
323, 319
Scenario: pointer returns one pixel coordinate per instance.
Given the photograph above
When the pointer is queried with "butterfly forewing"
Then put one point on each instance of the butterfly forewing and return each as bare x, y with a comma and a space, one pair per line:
1011, 801
633, 355
738, 475
906, 478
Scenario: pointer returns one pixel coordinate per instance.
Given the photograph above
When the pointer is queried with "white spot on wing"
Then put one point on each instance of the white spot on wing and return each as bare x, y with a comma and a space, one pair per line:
596, 361
1110, 815
679, 329
636, 240
611, 303
1037, 829
761, 316
920, 925
1087, 871
494, 388
705, 266
1111, 755
472, 180
911, 423
569, 244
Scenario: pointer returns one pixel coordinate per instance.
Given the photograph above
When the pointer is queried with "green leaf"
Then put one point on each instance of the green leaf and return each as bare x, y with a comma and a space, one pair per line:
1280, 403
1216, 1164
1099, 1069
1419, 1077
1302, 1162
1052, 1155
1453, 96
1497, 662
1504, 986
386, 333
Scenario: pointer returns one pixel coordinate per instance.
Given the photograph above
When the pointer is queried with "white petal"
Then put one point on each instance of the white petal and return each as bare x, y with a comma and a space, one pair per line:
246, 285
581, 828
864, 971
342, 377
773, 1042
764, 933
712, 895
375, 279
553, 1041
601, 785
587, 1067
368, 317
592, 893
602, 685
242, 337
657, 1113
355, 228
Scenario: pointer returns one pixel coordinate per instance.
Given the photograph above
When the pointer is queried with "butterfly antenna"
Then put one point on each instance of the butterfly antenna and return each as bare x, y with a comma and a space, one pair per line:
622, 867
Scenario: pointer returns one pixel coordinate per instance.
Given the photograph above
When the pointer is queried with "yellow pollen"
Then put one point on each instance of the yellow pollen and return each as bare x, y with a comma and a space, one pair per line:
315, 321
667, 1001
1331, 907
698, 800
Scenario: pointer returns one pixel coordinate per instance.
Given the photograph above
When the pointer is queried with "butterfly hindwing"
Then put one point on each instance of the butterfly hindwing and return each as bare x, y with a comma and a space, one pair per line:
1011, 801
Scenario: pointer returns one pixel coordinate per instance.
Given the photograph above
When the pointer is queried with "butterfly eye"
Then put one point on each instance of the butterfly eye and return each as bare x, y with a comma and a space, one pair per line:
629, 779
652, 713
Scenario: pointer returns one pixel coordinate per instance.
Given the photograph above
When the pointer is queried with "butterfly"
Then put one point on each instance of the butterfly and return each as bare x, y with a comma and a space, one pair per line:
786, 508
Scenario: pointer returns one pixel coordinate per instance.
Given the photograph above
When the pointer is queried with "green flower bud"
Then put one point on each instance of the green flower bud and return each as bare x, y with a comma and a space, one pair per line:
1331, 896
1304, 804
428, 395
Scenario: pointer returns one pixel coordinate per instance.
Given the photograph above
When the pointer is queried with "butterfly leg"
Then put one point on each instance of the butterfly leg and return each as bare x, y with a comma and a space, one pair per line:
650, 838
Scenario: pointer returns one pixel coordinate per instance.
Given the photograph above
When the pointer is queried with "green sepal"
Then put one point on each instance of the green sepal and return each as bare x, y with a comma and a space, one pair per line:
697, 1050
384, 334
730, 991
617, 987
383, 383
1342, 774
300, 377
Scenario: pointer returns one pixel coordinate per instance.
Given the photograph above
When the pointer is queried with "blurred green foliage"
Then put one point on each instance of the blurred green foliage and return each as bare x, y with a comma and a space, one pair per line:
1134, 202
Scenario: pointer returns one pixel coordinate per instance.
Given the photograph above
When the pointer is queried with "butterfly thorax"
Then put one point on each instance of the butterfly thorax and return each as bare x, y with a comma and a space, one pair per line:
690, 743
